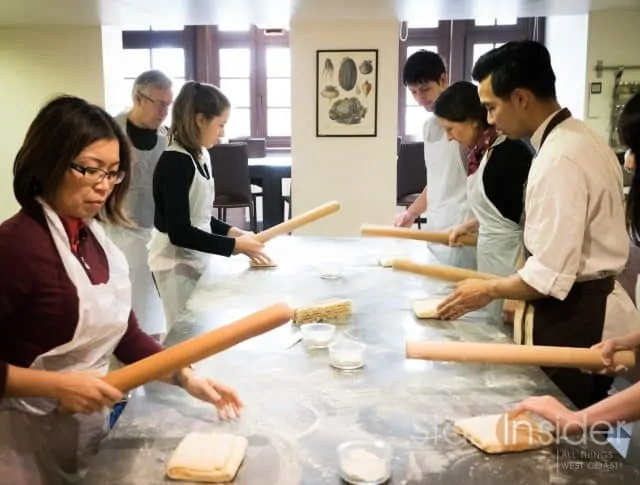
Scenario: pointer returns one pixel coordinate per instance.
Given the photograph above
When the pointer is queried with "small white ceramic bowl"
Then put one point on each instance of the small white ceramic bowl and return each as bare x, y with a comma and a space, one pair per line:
331, 270
347, 354
317, 335
365, 462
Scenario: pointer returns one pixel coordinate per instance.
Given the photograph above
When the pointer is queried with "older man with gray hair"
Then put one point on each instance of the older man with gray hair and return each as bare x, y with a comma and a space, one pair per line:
152, 96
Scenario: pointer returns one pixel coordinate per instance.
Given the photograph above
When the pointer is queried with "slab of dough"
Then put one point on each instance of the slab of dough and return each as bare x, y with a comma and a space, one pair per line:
386, 261
207, 457
273, 264
501, 433
427, 307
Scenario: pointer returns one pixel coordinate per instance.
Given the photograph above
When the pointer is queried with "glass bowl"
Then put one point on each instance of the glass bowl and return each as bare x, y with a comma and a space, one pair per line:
317, 335
365, 462
347, 354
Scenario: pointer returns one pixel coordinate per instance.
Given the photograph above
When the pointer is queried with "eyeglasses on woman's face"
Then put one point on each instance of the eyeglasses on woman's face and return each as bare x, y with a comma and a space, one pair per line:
95, 175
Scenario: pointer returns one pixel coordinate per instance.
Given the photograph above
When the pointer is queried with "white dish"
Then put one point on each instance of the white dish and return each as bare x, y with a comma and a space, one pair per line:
331, 271
347, 354
317, 335
365, 462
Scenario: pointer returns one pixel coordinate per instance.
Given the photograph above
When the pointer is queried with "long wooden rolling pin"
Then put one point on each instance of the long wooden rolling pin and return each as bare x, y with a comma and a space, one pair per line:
198, 348
489, 353
448, 273
373, 230
298, 221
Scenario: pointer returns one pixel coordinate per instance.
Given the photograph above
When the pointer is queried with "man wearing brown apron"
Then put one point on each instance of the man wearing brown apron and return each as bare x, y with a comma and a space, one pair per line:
574, 228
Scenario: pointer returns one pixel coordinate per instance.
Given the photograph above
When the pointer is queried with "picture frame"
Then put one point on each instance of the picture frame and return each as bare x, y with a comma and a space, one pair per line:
347, 93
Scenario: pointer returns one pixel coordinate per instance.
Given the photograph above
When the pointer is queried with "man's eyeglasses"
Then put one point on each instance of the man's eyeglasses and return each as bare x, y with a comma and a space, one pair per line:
95, 175
157, 103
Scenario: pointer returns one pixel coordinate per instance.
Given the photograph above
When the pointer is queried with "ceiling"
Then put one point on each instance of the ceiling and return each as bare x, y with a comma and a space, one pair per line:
278, 13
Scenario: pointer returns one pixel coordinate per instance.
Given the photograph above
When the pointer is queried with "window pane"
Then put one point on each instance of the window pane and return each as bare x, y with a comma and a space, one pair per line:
176, 85
279, 122
239, 123
412, 49
233, 27
489, 21
480, 49
235, 62
135, 27
414, 119
424, 23
278, 62
168, 60
136, 61
278, 93
238, 91
124, 98
167, 27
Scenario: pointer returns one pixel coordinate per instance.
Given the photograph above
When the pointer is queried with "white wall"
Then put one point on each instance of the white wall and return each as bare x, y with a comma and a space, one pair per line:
37, 63
569, 58
358, 172
613, 38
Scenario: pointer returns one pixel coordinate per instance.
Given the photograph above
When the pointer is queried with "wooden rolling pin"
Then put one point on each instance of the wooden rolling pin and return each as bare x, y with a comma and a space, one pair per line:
417, 234
448, 273
488, 353
299, 221
193, 350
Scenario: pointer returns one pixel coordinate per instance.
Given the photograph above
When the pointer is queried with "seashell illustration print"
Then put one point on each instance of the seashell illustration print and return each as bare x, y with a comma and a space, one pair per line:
366, 88
366, 67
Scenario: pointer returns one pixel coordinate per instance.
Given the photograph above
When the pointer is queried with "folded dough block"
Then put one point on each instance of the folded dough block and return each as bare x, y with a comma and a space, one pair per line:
386, 261
502, 433
207, 457
427, 307
273, 264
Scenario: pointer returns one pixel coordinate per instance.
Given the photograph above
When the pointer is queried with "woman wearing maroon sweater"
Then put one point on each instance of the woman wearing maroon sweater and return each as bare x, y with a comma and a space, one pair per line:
65, 298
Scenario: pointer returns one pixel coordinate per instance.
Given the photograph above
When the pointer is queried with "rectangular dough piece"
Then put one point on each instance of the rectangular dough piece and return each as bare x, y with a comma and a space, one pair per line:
207, 457
427, 307
502, 433
273, 264
386, 261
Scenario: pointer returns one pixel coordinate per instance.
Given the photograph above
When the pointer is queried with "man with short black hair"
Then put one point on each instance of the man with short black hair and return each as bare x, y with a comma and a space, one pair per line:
574, 225
445, 202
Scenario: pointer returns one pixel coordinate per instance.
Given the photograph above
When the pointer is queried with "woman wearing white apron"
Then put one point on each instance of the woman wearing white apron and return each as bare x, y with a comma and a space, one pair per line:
445, 197
185, 233
495, 188
152, 97
65, 298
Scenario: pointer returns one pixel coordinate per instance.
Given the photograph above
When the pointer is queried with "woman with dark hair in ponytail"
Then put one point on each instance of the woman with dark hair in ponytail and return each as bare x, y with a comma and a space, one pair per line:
625, 405
185, 233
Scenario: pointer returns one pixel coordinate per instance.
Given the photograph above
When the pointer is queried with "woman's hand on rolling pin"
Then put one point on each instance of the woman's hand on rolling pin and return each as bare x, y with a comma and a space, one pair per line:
222, 397
405, 219
566, 421
609, 348
84, 392
455, 233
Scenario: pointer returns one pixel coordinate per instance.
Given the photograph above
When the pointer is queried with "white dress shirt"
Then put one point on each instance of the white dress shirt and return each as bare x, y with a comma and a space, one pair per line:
574, 203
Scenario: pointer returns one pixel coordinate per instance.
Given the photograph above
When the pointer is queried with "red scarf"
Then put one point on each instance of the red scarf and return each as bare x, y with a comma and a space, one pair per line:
475, 154
73, 227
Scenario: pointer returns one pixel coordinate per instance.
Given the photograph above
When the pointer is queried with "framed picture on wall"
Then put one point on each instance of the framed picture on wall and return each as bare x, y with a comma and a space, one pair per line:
347, 92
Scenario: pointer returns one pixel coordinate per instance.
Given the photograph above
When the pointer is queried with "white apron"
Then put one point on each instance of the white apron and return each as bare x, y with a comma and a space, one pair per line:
133, 241
39, 445
176, 269
499, 238
446, 194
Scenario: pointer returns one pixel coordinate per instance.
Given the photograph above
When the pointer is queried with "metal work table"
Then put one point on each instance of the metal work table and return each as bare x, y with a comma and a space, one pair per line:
298, 409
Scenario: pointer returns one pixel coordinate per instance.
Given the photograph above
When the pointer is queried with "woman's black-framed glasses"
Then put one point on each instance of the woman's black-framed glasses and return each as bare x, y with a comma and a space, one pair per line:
95, 175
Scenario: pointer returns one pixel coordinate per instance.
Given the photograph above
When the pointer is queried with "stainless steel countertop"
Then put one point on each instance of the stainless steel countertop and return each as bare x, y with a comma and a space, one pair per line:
299, 409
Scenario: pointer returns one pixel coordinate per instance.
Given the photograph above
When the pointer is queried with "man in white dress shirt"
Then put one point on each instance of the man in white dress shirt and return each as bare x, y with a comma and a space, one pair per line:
574, 223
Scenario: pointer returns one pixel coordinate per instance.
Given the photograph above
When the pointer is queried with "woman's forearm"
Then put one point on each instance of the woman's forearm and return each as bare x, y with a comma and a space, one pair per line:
23, 382
623, 406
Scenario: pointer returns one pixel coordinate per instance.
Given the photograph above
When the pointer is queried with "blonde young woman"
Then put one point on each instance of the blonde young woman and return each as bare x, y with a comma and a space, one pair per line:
186, 234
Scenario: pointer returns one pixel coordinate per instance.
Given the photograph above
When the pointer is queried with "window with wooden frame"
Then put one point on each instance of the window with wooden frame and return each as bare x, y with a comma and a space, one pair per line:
252, 66
170, 49
460, 43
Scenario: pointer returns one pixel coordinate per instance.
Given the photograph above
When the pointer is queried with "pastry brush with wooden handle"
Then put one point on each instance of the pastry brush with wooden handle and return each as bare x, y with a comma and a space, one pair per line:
325, 311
